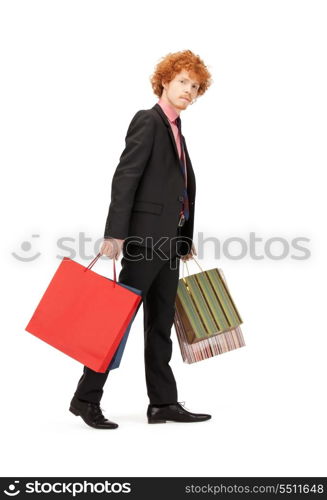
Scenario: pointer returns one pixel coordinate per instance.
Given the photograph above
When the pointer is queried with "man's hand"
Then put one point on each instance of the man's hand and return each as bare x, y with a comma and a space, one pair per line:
189, 255
111, 247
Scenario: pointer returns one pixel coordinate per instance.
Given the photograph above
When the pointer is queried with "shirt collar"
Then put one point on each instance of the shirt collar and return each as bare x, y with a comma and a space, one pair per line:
169, 111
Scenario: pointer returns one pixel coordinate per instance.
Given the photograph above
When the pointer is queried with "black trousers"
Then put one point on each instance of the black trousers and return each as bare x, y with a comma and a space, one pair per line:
158, 280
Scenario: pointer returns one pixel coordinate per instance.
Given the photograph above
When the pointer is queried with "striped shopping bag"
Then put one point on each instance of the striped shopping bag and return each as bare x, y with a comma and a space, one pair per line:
206, 321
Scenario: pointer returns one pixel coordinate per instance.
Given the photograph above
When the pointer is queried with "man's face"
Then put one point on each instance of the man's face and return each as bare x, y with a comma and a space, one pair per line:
180, 91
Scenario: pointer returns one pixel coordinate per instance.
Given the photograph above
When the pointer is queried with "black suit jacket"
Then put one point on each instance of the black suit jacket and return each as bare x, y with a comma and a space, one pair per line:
147, 186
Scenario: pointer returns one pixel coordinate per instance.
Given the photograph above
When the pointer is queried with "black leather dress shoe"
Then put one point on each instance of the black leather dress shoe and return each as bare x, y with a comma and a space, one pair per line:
174, 412
91, 413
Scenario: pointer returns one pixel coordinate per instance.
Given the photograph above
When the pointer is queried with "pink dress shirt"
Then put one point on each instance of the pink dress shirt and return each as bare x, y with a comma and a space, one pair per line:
172, 114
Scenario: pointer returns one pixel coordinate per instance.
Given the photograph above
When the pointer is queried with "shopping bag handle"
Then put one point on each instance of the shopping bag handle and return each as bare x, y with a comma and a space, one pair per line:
185, 262
91, 264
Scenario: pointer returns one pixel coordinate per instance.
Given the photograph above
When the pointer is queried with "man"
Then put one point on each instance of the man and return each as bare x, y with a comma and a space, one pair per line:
151, 219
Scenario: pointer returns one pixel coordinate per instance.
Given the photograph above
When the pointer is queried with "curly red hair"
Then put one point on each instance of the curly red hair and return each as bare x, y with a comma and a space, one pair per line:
173, 63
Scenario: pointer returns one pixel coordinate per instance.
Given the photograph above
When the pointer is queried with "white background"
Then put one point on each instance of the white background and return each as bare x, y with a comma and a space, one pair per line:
73, 75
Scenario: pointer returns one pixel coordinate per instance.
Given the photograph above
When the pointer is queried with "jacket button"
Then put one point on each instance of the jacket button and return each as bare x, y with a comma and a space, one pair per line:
180, 198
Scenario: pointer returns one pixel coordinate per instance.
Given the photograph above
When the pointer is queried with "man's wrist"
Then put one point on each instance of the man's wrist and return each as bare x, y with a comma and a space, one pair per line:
107, 238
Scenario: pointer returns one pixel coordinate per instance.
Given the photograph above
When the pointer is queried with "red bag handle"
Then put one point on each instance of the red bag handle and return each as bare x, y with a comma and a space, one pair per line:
91, 264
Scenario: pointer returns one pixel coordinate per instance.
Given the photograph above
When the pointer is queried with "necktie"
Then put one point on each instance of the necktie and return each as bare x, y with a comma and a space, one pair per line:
183, 170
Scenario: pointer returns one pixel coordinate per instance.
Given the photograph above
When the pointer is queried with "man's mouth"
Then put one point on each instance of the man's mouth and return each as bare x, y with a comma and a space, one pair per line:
185, 99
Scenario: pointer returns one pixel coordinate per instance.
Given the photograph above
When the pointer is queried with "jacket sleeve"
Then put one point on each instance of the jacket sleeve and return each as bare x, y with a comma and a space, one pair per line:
132, 162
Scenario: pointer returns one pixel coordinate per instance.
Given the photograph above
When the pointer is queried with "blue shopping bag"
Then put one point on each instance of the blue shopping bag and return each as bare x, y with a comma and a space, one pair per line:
116, 359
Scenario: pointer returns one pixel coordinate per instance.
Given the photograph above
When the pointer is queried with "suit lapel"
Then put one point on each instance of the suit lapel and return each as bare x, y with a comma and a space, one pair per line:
190, 173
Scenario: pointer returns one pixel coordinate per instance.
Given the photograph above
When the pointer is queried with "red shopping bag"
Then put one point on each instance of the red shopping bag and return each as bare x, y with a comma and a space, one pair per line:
84, 314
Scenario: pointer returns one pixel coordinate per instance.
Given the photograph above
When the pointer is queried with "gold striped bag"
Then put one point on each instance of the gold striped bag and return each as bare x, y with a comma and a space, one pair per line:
206, 321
